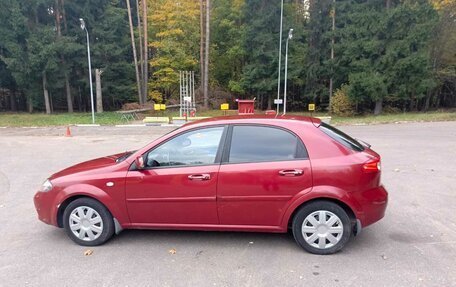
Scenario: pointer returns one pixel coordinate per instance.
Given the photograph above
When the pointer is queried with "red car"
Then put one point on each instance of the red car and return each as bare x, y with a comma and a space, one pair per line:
252, 173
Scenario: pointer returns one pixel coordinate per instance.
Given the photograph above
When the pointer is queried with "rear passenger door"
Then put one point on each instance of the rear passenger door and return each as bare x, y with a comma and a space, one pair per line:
262, 168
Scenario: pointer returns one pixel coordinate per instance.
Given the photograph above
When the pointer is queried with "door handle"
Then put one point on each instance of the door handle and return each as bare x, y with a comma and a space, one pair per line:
291, 172
203, 176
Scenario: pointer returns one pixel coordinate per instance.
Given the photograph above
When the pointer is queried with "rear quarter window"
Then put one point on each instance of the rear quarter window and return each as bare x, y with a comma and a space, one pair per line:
341, 137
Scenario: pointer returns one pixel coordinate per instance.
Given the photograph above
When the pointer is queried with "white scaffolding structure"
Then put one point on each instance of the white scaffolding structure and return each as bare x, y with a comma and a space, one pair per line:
187, 92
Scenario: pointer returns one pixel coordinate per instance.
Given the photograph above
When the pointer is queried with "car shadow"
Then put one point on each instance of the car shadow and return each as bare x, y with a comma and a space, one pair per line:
283, 242
215, 238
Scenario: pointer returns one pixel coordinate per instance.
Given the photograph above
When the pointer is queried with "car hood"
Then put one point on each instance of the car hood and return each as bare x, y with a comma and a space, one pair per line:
89, 165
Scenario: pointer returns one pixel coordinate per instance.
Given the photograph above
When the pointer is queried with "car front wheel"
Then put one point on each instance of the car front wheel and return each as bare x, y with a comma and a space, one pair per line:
321, 227
88, 222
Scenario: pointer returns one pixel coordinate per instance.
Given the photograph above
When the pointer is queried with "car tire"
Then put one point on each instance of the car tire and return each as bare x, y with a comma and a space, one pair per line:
321, 227
88, 222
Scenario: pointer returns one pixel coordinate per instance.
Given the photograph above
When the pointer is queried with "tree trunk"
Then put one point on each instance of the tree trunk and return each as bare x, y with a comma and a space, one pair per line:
378, 107
29, 104
146, 62
206, 55
379, 103
135, 58
46, 95
388, 4
68, 94
412, 105
57, 18
13, 104
62, 6
98, 90
330, 95
51, 103
58, 13
427, 101
202, 42
80, 99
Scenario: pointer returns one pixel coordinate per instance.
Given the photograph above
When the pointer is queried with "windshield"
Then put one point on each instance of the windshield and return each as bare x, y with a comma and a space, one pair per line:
129, 153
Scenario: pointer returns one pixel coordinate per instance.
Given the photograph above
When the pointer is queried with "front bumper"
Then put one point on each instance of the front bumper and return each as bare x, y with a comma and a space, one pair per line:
45, 208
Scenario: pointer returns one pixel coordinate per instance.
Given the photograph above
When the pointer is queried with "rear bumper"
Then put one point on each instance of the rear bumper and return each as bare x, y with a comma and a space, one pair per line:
373, 202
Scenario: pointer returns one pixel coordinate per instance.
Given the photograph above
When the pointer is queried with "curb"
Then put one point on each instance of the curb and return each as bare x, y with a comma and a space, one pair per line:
130, 126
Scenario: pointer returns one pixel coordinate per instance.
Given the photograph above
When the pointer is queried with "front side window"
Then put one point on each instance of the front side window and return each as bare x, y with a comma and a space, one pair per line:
260, 144
198, 147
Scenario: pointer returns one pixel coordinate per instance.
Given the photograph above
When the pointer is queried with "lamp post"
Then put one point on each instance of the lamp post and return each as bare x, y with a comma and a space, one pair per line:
83, 27
290, 35
280, 56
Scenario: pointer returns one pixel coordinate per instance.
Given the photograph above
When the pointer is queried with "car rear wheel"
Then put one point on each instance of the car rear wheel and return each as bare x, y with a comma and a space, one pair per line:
88, 222
321, 227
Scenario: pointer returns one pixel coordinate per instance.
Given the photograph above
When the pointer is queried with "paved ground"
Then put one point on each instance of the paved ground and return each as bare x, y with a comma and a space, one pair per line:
414, 245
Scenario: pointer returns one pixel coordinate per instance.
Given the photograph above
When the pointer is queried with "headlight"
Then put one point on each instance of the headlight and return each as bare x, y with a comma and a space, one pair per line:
47, 186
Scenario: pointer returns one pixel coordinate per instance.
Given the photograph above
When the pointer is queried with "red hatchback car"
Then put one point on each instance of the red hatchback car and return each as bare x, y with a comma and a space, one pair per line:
255, 173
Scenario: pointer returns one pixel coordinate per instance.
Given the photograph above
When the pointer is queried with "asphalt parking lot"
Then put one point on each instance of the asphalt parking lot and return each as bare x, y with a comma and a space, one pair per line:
414, 245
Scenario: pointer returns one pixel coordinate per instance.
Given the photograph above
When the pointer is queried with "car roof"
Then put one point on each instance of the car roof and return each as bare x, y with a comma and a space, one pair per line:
258, 119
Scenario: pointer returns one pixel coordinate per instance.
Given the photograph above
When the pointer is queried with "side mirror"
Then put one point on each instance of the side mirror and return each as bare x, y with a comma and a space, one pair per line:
139, 162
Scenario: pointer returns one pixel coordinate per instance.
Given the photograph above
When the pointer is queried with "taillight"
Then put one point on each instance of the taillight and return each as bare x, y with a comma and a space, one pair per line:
373, 166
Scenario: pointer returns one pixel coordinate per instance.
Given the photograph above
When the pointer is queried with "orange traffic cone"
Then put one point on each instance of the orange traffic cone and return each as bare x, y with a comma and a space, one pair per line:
68, 132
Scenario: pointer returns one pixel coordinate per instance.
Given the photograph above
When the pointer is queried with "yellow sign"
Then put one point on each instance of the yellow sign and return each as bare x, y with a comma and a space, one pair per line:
224, 107
162, 107
311, 107
156, 107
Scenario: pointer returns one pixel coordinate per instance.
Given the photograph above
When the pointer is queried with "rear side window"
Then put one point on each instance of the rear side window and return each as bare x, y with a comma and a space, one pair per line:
341, 137
259, 144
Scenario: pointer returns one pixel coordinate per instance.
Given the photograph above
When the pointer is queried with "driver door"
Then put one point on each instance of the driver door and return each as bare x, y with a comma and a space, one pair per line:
178, 185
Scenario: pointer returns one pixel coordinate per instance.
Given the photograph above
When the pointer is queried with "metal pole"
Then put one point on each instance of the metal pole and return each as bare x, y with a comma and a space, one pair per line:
285, 83
193, 90
90, 76
180, 93
280, 54
333, 15
145, 51
189, 91
185, 93
286, 73
194, 96
186, 102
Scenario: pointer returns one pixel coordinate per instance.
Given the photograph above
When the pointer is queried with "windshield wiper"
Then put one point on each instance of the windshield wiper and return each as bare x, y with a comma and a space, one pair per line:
124, 157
